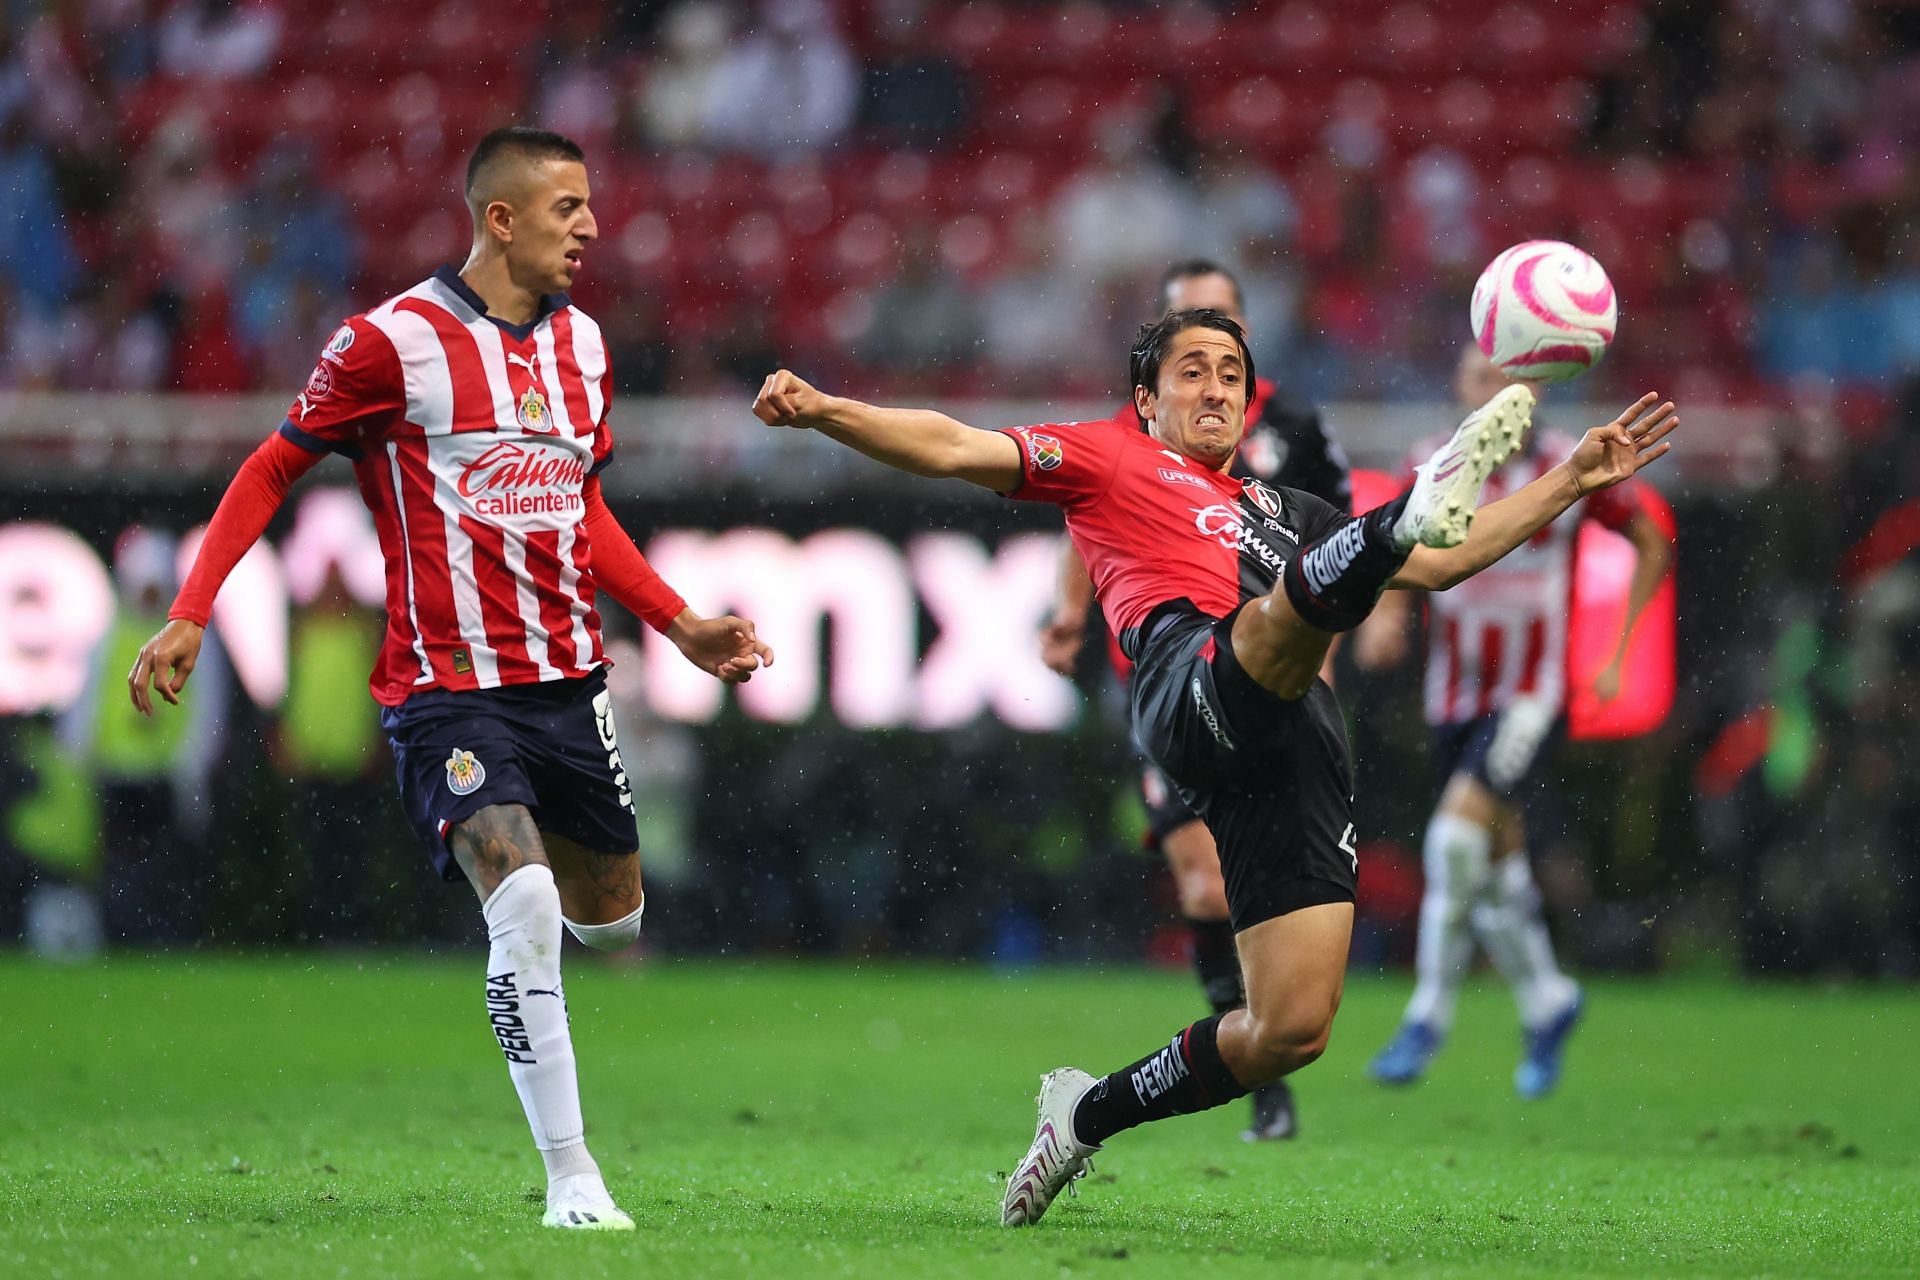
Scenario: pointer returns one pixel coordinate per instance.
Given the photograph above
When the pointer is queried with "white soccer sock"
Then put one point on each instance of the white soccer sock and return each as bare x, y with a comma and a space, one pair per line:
528, 1011
615, 936
1455, 856
1516, 938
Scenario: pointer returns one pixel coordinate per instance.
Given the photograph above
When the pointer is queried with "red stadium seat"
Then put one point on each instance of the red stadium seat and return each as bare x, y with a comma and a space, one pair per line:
751, 257
1005, 183
1303, 37
971, 246
1260, 114
1407, 42
866, 249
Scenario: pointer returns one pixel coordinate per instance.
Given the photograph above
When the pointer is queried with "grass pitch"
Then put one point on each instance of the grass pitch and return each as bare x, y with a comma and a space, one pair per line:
308, 1117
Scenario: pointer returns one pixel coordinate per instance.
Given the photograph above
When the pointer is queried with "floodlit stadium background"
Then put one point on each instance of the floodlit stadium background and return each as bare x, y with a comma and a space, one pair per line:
969, 204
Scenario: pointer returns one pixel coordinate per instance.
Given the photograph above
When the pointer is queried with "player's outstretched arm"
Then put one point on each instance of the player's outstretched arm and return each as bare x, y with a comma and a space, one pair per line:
1604, 457
919, 441
258, 489
1653, 556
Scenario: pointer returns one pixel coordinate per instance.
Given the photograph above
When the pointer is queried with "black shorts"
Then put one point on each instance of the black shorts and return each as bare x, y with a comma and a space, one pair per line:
1271, 778
550, 747
1166, 811
1504, 750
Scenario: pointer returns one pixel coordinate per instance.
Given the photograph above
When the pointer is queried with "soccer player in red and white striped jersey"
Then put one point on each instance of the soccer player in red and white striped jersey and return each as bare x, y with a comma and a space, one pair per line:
474, 408
1496, 694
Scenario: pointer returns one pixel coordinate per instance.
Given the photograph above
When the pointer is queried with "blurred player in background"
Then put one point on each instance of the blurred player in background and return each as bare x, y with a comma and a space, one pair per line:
1226, 594
1286, 445
1496, 700
474, 408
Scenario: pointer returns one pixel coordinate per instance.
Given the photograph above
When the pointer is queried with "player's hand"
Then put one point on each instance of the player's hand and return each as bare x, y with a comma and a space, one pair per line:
724, 647
1606, 685
1610, 454
788, 400
164, 664
1061, 640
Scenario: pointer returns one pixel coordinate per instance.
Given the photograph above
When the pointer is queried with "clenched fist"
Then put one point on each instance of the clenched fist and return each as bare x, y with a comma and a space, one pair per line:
788, 400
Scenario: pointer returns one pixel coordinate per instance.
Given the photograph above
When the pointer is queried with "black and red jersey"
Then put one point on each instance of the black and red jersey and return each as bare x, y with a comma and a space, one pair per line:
1153, 525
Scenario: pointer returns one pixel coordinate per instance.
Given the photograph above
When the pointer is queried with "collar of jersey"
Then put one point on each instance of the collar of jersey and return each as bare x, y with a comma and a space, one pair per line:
548, 304
1225, 481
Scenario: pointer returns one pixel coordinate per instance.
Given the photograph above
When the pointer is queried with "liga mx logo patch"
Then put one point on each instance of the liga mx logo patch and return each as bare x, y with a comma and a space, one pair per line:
1045, 452
464, 773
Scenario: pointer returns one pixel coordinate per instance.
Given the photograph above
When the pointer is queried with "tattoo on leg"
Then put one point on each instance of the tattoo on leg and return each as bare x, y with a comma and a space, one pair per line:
494, 843
595, 887
610, 873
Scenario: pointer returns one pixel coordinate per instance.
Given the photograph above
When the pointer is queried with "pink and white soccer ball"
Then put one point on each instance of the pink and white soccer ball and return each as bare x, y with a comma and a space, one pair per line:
1544, 311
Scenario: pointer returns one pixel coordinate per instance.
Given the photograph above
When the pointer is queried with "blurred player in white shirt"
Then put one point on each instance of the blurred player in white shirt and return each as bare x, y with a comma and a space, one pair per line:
1495, 694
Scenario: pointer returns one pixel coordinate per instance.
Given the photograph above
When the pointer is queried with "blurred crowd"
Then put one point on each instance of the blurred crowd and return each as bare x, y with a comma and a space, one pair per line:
925, 195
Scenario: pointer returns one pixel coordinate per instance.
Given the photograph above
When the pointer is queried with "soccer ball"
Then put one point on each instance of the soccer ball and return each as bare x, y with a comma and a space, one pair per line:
1543, 311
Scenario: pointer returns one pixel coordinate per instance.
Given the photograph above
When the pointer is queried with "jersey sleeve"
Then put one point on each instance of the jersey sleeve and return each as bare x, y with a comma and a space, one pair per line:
355, 391
1615, 507
1065, 462
603, 429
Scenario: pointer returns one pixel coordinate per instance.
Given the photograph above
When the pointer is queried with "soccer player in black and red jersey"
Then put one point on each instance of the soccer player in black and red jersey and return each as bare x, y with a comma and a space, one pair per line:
1286, 446
1226, 594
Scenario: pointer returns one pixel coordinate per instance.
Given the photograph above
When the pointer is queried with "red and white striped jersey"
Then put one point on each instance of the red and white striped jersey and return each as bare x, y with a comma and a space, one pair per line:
472, 441
1502, 634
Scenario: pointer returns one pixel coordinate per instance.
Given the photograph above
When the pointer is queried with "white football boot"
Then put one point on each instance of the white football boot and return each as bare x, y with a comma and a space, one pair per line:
580, 1203
1056, 1159
1439, 511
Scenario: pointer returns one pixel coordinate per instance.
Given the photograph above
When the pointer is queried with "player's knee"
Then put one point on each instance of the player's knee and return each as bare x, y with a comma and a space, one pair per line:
1288, 1041
1456, 856
493, 843
615, 935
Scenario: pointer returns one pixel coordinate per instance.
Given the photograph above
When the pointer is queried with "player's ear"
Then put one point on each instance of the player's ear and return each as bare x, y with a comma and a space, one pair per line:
499, 220
1144, 403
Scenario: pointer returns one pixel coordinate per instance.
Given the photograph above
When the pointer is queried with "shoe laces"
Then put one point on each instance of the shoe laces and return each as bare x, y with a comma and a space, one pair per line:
1086, 1167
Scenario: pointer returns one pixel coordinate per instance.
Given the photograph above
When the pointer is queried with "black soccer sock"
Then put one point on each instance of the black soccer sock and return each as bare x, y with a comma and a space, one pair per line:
1217, 961
1187, 1075
1335, 581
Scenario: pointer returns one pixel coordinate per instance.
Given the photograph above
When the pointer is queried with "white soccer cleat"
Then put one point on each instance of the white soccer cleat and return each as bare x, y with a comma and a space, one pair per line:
581, 1203
1057, 1158
1439, 511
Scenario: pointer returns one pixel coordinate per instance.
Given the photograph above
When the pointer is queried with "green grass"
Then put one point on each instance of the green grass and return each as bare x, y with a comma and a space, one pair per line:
330, 1117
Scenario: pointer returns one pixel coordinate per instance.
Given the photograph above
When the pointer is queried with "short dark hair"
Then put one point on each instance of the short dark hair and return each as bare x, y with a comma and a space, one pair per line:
1193, 269
523, 140
1150, 348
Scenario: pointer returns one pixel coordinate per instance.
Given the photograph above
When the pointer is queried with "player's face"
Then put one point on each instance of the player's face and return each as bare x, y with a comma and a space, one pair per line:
553, 226
1199, 409
1212, 291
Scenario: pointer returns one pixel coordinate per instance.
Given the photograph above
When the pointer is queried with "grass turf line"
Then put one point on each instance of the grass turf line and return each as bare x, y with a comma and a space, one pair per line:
295, 1117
